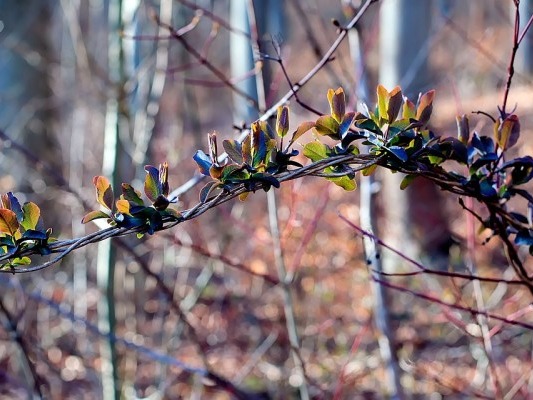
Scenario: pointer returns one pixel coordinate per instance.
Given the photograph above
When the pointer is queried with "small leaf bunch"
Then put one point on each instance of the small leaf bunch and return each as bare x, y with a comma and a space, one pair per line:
130, 211
21, 228
335, 125
397, 128
494, 178
254, 162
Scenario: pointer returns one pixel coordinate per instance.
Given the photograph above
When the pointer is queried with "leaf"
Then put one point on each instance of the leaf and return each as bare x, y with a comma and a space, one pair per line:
8, 222
104, 192
203, 161
234, 150
31, 234
282, 121
94, 215
247, 150
394, 104
408, 109
31, 215
258, 144
206, 191
10, 202
161, 203
337, 103
244, 196
302, 128
315, 151
152, 186
425, 107
213, 151
345, 124
463, 129
123, 206
369, 170
131, 194
382, 94
172, 213
524, 237
344, 182
506, 133
163, 178
399, 152
406, 181
326, 125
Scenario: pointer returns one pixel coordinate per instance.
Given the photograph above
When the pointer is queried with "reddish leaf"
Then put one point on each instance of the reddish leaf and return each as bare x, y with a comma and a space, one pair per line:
8, 222
328, 126
425, 107
302, 128
395, 99
104, 192
282, 121
507, 132
337, 103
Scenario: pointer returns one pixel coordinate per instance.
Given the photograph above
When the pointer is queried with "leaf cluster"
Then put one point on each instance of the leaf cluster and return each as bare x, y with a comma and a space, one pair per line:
395, 134
256, 160
130, 211
21, 228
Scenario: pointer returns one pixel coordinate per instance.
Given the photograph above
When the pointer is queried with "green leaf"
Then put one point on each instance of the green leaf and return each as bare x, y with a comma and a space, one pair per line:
369, 170
406, 181
104, 192
152, 186
31, 215
326, 125
408, 110
315, 151
234, 150
94, 215
344, 182
131, 194
8, 222
337, 103
382, 94
282, 121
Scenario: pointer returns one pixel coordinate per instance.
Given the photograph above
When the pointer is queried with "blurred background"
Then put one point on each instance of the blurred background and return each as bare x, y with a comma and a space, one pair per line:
103, 87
